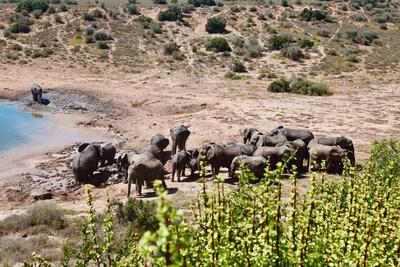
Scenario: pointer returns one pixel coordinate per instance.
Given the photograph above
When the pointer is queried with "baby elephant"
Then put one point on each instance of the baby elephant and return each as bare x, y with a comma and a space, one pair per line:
332, 155
195, 162
179, 162
256, 164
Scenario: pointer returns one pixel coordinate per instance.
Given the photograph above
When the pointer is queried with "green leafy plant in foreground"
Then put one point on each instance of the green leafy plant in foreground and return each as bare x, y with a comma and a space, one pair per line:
352, 220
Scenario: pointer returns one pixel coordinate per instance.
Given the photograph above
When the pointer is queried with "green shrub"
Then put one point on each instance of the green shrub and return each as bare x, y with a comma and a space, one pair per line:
173, 13
160, 2
285, 3
89, 39
71, 2
102, 45
142, 214
145, 21
63, 8
58, 19
20, 26
188, 9
292, 52
364, 38
51, 10
55, 2
89, 31
232, 76
170, 48
16, 47
101, 35
132, 9
278, 41
324, 33
310, 14
216, 25
43, 53
37, 14
198, 3
31, 5
88, 17
306, 43
238, 66
217, 44
299, 86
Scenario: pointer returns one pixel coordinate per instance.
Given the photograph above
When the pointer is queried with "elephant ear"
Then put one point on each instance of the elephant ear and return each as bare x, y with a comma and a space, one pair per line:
195, 153
210, 152
82, 147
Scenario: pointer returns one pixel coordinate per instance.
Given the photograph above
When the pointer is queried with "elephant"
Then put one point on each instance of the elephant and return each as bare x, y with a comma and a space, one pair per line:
145, 169
256, 164
301, 152
332, 155
107, 151
86, 162
179, 135
267, 140
179, 162
293, 134
127, 159
343, 142
194, 162
274, 154
221, 156
160, 141
37, 92
248, 133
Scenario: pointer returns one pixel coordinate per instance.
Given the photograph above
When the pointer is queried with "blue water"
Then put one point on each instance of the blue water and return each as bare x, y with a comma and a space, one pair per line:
18, 127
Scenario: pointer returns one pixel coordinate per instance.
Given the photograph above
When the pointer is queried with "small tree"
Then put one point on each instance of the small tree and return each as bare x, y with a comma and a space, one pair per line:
217, 44
31, 5
216, 25
238, 66
173, 13
293, 52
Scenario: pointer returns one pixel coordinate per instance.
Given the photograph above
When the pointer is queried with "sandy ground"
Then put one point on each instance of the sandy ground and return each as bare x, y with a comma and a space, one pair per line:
215, 110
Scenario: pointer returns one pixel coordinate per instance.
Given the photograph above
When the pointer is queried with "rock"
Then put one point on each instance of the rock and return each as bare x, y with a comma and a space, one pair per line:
24, 235
41, 195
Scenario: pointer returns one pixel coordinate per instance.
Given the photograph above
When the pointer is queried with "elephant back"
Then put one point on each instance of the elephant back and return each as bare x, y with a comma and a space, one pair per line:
86, 162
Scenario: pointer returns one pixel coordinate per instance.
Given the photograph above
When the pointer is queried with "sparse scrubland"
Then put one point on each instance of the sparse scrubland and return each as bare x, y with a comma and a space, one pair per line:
348, 220
329, 66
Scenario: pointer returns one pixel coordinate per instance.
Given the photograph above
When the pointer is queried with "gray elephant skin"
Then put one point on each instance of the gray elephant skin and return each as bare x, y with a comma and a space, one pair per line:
332, 155
179, 162
343, 142
221, 156
256, 164
194, 162
301, 153
87, 161
267, 140
274, 154
248, 134
293, 134
179, 135
37, 92
145, 169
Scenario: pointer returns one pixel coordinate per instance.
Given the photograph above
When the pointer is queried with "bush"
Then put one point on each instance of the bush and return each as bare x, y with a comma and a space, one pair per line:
299, 86
37, 14
323, 33
43, 53
363, 38
31, 5
277, 42
142, 214
89, 31
306, 43
285, 3
217, 44
58, 19
71, 2
88, 17
198, 3
292, 52
132, 9
102, 45
63, 8
160, 2
20, 26
170, 48
238, 66
310, 14
173, 13
359, 17
101, 35
216, 25
188, 9
232, 76
51, 10
89, 39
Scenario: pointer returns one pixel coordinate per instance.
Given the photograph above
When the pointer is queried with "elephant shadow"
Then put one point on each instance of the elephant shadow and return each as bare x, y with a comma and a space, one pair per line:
99, 178
170, 191
45, 101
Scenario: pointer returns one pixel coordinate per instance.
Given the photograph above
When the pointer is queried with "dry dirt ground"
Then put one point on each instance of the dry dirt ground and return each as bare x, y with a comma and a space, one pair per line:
133, 90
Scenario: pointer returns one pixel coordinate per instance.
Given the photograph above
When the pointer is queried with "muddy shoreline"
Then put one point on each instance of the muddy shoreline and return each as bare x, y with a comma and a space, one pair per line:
41, 170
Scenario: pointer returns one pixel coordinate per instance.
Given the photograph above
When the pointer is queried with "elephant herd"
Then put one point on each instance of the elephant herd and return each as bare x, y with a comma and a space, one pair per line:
298, 147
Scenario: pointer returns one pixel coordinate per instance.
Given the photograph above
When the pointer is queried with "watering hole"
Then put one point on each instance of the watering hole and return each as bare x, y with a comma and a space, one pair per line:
25, 135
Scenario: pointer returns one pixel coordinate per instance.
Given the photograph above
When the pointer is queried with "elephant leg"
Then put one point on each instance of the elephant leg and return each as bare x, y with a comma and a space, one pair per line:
125, 180
173, 147
173, 172
179, 175
183, 171
130, 177
309, 163
139, 184
148, 184
163, 182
